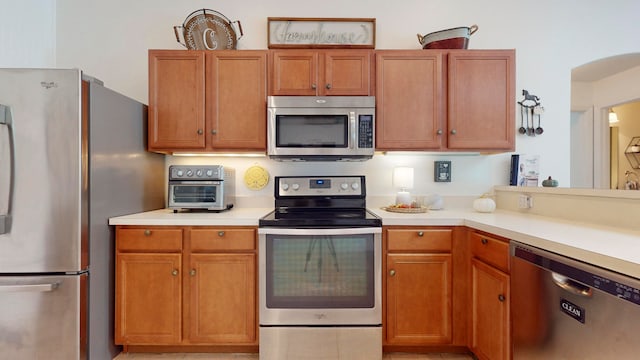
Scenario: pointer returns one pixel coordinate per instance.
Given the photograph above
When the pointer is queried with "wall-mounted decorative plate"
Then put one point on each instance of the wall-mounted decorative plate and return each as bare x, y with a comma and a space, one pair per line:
256, 177
208, 30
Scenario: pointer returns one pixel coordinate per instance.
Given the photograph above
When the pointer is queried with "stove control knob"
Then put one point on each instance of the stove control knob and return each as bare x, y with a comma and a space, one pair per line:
295, 186
179, 173
189, 173
344, 186
199, 173
285, 187
355, 186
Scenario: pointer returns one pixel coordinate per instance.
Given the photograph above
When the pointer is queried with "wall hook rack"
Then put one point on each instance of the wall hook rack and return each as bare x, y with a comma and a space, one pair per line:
530, 106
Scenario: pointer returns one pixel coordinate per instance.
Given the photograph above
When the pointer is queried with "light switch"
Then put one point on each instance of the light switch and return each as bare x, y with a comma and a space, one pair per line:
442, 171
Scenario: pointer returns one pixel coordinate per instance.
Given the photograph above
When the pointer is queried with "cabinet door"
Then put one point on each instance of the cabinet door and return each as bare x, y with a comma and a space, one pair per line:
346, 72
481, 110
236, 100
410, 100
148, 306
491, 337
176, 100
418, 299
222, 298
293, 72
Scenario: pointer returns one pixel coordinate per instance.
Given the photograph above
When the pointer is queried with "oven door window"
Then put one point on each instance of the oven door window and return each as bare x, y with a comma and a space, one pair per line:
333, 271
314, 131
194, 193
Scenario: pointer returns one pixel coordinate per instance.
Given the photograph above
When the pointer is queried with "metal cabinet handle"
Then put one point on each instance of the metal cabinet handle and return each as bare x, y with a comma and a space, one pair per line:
453, 132
439, 132
392, 272
313, 86
200, 132
221, 233
501, 298
484, 241
328, 86
147, 232
214, 132
192, 272
174, 272
420, 233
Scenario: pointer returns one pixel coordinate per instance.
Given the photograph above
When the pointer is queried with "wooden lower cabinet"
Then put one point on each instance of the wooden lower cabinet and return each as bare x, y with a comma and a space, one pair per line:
186, 286
222, 299
149, 300
418, 286
490, 286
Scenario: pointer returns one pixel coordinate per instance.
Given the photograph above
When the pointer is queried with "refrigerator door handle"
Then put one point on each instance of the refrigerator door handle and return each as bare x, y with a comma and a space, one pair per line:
6, 193
29, 287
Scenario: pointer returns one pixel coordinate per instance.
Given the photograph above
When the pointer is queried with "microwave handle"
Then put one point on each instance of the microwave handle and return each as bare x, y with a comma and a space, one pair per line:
352, 121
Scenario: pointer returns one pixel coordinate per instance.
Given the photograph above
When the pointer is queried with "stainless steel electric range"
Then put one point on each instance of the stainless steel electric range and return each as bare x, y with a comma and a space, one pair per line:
320, 271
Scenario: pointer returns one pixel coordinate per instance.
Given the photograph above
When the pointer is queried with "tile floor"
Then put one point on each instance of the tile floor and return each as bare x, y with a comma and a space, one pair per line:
199, 356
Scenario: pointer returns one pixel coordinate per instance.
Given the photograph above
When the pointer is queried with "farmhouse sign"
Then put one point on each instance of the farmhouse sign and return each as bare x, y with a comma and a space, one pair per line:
321, 32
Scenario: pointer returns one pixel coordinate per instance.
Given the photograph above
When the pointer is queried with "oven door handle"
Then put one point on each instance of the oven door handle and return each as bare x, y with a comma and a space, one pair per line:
320, 232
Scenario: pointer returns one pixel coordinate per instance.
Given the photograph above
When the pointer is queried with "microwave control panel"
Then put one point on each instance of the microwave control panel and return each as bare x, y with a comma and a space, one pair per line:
365, 131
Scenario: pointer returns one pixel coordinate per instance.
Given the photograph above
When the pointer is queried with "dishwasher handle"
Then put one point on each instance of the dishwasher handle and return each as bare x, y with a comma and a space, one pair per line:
570, 285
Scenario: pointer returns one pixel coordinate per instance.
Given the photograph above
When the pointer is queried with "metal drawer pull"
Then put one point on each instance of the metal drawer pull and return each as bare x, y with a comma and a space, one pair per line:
174, 272
328, 86
220, 233
29, 287
213, 132
192, 272
200, 132
392, 272
571, 286
501, 298
420, 233
147, 232
484, 241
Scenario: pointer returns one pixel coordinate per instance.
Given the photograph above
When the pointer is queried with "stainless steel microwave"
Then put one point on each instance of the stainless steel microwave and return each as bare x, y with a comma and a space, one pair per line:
206, 187
321, 128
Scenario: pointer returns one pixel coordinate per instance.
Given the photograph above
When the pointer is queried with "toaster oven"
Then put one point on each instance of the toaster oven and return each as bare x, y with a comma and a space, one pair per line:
206, 187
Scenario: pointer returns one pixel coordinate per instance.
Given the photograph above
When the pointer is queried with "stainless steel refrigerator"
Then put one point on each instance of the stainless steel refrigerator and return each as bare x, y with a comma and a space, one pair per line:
72, 154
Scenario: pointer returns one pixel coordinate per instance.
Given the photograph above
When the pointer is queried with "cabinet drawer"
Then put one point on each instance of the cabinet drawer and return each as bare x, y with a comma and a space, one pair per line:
419, 239
223, 239
490, 250
149, 239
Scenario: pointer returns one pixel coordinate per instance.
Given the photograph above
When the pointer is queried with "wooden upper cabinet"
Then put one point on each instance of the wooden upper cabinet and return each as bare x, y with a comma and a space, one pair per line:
459, 100
236, 89
320, 72
481, 113
207, 100
176, 99
410, 102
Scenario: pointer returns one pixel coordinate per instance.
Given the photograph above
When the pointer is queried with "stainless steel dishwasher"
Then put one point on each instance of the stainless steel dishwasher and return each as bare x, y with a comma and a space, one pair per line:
566, 309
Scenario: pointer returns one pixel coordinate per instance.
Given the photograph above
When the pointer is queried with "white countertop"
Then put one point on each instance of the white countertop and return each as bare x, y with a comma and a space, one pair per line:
608, 247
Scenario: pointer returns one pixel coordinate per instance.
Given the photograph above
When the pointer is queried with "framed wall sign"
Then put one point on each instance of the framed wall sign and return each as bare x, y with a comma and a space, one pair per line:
321, 32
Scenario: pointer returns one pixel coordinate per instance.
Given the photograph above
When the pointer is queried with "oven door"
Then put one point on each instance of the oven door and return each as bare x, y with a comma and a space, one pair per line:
196, 195
320, 276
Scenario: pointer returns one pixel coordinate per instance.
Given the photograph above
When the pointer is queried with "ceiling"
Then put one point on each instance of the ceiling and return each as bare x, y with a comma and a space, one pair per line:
606, 67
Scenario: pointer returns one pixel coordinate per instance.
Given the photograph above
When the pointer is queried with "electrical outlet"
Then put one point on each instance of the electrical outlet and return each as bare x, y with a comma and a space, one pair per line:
525, 201
442, 171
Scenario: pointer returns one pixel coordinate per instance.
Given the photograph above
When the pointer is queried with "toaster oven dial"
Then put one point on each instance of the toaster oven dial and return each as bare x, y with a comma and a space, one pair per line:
189, 173
209, 173
199, 173
179, 173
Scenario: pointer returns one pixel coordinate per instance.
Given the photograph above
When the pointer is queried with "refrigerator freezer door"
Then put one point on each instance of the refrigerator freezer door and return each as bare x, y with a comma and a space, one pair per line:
48, 167
40, 317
